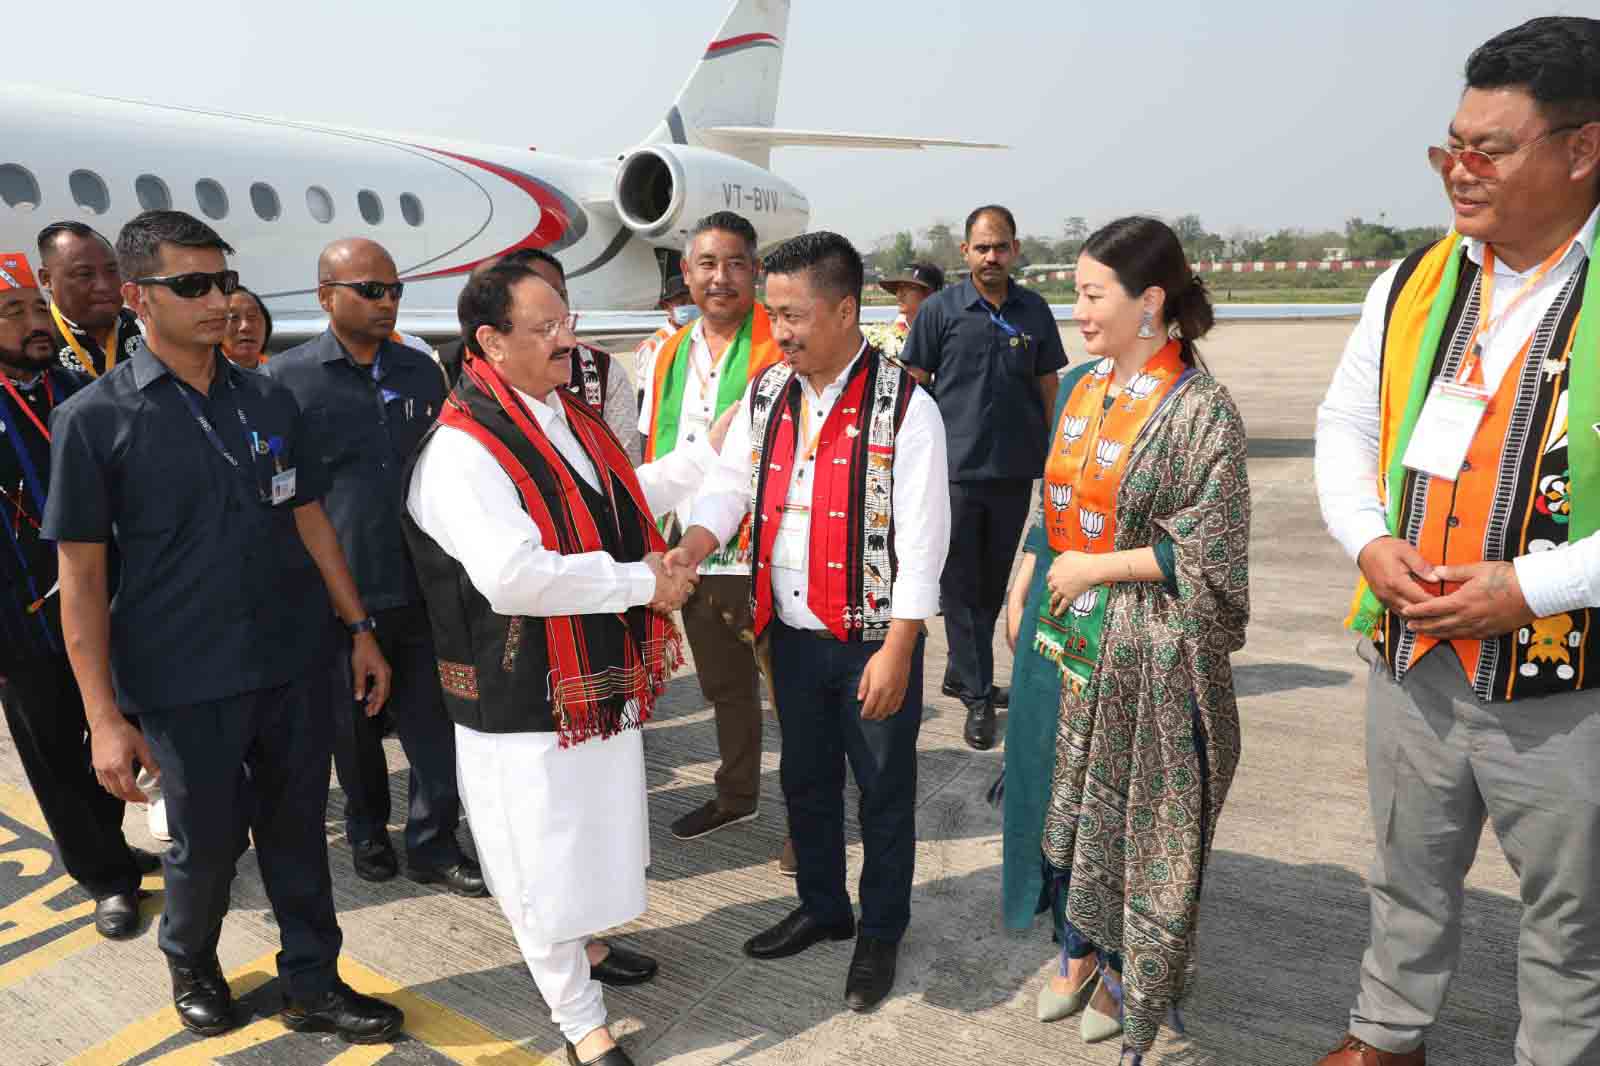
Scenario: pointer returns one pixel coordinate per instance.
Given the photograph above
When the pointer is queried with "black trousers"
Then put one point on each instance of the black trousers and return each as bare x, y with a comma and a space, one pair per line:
416, 705
986, 522
817, 678
258, 761
44, 711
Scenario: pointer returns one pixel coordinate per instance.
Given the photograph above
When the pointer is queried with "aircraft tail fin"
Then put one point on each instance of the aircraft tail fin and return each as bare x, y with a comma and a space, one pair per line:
735, 83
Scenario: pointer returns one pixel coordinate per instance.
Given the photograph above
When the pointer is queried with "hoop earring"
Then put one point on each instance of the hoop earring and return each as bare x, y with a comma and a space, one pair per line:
1147, 325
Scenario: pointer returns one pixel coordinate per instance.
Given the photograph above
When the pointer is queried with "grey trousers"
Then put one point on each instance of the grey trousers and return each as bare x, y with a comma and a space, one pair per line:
1438, 763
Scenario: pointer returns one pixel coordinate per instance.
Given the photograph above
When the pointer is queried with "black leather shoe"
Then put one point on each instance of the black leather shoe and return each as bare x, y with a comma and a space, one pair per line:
871, 973
1002, 695
463, 877
358, 1019
117, 917
979, 733
949, 689
794, 934
146, 862
201, 997
622, 967
615, 1057
374, 859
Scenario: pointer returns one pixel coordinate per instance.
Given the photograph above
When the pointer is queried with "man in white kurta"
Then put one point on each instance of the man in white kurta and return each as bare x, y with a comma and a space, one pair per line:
560, 825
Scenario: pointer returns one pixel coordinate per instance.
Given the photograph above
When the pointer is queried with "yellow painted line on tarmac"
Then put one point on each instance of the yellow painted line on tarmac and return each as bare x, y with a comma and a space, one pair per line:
20, 804
450, 1034
81, 939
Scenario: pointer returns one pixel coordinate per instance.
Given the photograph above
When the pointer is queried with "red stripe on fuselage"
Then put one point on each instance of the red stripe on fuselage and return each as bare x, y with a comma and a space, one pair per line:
553, 220
735, 42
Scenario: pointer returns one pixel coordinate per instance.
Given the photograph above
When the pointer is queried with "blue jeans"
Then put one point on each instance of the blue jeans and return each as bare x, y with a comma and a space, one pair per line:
816, 677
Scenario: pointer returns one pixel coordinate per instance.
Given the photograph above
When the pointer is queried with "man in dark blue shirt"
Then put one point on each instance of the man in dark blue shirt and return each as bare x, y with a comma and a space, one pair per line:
220, 629
368, 400
989, 349
43, 707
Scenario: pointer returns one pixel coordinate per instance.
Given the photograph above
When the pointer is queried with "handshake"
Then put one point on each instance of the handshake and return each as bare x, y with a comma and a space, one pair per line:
676, 573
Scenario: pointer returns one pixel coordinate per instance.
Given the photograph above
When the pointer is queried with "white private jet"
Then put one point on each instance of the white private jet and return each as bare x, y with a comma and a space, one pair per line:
279, 190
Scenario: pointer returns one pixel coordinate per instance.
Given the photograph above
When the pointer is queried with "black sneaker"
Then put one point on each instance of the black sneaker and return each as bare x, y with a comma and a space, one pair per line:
708, 818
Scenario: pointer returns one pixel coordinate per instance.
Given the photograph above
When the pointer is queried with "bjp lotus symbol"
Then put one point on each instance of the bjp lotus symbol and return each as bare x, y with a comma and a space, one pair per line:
1093, 523
1060, 496
1140, 388
1072, 430
1103, 368
1083, 606
1105, 454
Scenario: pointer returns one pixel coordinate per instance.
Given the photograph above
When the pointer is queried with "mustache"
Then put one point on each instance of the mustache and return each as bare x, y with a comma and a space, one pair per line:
39, 335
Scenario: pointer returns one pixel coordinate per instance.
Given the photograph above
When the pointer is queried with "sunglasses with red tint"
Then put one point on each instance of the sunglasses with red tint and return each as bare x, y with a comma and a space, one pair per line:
1481, 164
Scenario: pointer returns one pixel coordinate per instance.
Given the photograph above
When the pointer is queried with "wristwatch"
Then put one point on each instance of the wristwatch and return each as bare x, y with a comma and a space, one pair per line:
366, 625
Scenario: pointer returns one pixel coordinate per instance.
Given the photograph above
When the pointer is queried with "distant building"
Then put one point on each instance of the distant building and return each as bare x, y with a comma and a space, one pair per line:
1335, 255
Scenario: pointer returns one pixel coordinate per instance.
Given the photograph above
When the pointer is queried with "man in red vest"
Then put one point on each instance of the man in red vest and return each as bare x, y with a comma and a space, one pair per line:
839, 458
1458, 463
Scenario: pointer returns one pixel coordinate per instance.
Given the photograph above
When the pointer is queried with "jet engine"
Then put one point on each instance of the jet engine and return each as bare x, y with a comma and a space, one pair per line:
662, 190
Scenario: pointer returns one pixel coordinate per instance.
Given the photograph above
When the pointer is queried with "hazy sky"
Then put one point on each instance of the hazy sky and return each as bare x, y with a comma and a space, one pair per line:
1251, 114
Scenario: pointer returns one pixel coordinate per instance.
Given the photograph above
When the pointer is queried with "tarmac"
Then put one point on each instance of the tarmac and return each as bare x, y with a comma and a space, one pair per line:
1283, 922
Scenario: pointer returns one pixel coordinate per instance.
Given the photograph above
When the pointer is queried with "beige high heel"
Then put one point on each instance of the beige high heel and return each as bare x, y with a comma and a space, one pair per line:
1097, 1027
1053, 1006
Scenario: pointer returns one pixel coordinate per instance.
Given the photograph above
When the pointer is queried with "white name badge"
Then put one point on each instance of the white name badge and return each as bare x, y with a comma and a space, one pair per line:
789, 549
1444, 430
282, 487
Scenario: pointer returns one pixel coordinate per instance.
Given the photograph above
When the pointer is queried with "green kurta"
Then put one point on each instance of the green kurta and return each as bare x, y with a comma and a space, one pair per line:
1146, 753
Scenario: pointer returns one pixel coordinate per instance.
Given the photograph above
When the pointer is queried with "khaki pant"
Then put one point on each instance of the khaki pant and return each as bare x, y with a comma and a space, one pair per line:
1439, 763
721, 634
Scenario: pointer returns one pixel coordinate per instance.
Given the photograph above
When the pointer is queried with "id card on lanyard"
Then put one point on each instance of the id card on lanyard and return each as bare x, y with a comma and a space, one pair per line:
282, 486
1450, 418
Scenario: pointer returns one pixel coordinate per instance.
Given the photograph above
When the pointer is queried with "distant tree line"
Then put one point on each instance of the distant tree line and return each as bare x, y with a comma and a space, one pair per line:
941, 243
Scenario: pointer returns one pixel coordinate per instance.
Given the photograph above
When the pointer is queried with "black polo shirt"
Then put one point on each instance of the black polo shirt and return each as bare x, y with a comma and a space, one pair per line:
365, 429
986, 363
217, 594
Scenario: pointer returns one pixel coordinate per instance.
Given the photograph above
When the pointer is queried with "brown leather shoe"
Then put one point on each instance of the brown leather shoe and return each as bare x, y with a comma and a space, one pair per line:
1354, 1052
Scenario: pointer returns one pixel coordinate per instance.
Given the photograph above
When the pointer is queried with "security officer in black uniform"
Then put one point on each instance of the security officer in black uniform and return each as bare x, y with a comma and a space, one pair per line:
77, 265
199, 474
43, 707
990, 350
369, 400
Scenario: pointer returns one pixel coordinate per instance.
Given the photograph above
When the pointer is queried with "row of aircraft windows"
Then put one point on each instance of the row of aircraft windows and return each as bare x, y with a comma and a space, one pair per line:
19, 190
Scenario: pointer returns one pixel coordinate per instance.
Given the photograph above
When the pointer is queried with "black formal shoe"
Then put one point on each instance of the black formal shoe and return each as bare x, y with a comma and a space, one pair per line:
708, 818
950, 688
1002, 695
622, 967
794, 934
979, 733
358, 1019
146, 862
614, 1057
201, 997
463, 877
117, 917
374, 859
871, 973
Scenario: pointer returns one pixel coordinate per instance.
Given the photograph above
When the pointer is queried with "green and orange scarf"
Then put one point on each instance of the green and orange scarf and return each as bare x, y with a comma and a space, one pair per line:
1088, 455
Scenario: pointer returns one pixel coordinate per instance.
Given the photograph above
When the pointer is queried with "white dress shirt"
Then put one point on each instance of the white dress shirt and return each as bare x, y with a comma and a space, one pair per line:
698, 413
461, 497
920, 502
1562, 579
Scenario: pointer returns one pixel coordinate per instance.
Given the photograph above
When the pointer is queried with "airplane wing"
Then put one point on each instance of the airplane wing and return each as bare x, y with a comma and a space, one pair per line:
772, 137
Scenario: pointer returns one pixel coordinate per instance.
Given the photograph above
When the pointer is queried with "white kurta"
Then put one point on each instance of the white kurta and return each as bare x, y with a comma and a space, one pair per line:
563, 834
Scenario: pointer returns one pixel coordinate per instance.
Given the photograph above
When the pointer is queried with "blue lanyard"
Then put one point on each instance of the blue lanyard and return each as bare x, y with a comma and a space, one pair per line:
29, 474
1008, 328
211, 431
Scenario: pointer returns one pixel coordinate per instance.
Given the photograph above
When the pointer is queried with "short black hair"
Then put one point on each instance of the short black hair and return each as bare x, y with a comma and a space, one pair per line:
831, 262
728, 222
1555, 58
139, 243
54, 231
1003, 213
528, 256
266, 316
485, 300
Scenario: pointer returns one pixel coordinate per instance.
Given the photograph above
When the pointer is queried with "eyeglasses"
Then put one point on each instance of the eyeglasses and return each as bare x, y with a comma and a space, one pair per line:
194, 286
549, 330
371, 290
1481, 164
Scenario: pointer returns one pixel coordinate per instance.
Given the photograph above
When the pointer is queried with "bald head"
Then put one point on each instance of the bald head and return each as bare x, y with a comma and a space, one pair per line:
355, 259
347, 272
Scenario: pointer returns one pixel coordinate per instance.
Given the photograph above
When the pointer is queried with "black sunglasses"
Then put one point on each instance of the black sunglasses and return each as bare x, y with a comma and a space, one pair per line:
194, 286
372, 290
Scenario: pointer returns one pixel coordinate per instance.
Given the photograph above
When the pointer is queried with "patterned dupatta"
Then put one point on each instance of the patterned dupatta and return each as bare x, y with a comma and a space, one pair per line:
586, 680
1088, 457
